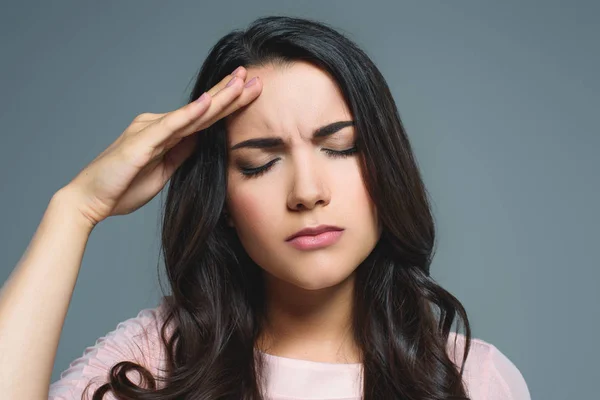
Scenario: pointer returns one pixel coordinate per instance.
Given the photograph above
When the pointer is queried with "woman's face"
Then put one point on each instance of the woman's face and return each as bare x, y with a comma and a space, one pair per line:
304, 185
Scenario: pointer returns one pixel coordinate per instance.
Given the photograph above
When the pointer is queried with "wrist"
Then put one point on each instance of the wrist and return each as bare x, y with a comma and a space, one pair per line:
64, 208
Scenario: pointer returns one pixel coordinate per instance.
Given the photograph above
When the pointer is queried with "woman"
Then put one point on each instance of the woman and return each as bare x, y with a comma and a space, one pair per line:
297, 237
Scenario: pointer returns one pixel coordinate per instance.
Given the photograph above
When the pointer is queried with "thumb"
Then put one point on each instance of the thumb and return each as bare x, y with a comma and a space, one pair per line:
178, 154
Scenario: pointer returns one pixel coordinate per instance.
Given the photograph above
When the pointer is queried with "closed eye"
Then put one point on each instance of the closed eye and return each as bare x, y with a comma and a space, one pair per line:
341, 153
255, 172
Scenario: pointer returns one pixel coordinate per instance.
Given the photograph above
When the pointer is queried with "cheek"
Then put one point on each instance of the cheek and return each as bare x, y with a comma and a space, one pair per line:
358, 201
351, 186
253, 209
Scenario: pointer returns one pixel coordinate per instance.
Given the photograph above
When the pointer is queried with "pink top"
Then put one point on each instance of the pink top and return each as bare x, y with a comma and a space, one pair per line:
489, 374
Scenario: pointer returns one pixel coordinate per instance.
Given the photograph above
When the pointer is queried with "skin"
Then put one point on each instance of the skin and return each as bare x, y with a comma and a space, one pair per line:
125, 176
310, 292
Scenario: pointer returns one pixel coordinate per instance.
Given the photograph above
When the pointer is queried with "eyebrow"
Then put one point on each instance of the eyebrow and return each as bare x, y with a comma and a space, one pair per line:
270, 142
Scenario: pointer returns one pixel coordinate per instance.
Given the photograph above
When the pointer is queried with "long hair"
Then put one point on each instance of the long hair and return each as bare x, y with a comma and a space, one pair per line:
401, 317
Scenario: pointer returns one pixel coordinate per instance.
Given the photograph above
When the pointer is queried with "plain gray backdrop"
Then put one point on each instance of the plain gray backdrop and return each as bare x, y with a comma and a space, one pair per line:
499, 99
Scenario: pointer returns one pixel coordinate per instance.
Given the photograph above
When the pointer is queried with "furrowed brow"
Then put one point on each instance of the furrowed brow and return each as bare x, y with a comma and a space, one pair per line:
271, 142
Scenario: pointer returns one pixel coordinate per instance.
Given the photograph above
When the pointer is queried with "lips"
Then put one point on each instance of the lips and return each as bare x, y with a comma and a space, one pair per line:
314, 231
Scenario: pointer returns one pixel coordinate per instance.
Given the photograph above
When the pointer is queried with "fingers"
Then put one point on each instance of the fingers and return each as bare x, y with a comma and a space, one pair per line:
203, 112
226, 102
240, 72
228, 95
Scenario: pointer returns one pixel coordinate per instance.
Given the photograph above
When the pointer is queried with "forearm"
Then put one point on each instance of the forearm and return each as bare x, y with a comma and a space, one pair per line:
35, 299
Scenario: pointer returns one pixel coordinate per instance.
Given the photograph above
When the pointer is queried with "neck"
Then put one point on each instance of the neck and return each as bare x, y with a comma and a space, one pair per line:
314, 325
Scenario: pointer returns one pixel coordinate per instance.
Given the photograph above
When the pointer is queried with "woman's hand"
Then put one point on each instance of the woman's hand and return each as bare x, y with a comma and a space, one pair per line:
133, 169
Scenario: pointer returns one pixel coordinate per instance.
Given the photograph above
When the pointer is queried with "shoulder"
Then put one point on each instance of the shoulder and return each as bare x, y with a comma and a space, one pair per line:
137, 339
488, 373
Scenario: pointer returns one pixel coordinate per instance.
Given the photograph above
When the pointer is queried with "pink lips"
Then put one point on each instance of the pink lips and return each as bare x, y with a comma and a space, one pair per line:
315, 238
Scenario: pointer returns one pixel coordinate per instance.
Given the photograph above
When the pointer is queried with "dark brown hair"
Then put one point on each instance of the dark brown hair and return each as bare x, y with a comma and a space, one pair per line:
402, 318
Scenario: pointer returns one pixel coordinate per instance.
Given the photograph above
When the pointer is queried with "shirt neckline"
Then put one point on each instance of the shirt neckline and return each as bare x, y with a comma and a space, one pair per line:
296, 362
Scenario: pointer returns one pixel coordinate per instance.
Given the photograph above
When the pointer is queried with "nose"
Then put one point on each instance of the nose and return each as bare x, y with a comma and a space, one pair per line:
309, 188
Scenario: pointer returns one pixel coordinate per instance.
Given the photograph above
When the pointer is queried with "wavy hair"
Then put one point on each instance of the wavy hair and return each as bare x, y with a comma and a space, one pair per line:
401, 317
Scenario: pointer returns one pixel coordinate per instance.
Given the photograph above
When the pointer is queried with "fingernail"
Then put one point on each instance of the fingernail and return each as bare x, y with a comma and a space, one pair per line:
251, 82
236, 71
231, 82
202, 98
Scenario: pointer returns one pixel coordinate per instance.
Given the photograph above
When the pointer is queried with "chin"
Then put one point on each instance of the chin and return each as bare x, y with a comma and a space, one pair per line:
314, 285
316, 281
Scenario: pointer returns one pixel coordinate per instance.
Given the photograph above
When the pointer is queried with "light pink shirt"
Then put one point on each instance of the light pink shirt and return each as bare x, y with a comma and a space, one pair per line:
489, 374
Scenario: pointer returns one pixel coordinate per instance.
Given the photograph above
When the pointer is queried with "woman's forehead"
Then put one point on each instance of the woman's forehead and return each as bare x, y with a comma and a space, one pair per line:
294, 97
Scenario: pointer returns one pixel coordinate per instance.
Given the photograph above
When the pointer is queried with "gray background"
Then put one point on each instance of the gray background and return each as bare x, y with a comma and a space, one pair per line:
500, 101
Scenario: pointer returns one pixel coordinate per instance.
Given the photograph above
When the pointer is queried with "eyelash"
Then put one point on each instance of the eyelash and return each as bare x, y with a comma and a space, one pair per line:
255, 172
